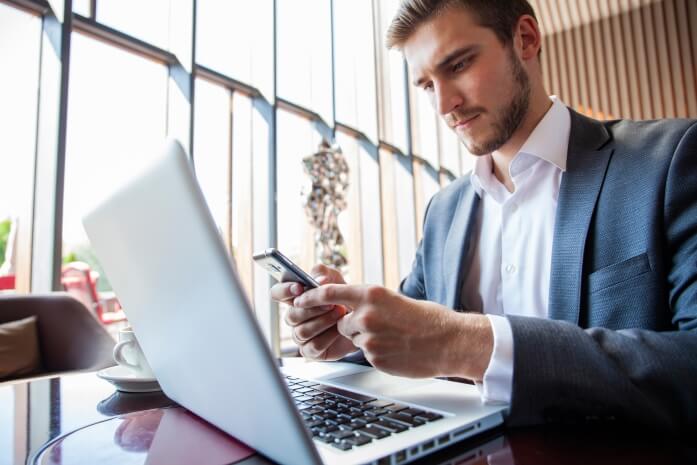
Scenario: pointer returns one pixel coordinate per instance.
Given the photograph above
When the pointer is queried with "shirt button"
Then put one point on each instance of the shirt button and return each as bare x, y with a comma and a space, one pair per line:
510, 269
514, 207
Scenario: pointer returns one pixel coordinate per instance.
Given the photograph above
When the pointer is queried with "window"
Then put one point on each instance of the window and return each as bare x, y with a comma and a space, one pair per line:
449, 148
398, 220
7, 435
354, 61
424, 127
371, 214
351, 219
297, 139
392, 83
81, 7
148, 21
251, 128
116, 122
212, 151
19, 54
304, 53
235, 37
242, 193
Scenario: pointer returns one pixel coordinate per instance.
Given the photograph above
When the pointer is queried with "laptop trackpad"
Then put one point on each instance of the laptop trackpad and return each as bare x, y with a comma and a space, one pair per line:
379, 383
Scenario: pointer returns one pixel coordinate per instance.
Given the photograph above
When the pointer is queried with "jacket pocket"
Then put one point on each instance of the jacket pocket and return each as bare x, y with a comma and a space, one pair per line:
618, 272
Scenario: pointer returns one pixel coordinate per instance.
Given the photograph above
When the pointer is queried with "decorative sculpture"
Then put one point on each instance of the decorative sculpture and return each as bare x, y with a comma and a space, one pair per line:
328, 172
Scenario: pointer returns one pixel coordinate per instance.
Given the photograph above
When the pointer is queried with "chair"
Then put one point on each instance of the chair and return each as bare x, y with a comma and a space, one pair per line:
7, 282
70, 337
80, 281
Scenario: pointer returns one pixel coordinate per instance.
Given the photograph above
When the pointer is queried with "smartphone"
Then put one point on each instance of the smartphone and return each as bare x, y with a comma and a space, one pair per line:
283, 269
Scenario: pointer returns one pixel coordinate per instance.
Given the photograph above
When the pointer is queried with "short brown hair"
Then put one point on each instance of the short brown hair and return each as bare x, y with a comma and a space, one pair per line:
501, 16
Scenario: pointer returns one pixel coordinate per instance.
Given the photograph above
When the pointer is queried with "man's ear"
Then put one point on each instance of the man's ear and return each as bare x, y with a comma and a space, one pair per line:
527, 37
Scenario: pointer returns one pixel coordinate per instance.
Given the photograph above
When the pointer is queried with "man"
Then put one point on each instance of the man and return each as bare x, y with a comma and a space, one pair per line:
570, 253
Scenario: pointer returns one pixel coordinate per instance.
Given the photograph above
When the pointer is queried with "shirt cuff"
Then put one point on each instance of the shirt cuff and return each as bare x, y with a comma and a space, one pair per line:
497, 385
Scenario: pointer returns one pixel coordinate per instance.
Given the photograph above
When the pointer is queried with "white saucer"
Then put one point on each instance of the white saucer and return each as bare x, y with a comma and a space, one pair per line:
126, 381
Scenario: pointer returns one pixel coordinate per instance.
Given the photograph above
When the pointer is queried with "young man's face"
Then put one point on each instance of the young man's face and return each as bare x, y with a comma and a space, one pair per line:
476, 83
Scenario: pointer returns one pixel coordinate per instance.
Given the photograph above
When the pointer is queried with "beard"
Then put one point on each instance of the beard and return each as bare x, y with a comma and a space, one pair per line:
507, 119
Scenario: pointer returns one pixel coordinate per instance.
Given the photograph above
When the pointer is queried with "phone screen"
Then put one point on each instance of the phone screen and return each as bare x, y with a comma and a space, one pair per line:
283, 269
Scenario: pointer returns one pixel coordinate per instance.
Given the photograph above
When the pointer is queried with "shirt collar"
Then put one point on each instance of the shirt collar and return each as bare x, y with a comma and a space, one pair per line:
549, 141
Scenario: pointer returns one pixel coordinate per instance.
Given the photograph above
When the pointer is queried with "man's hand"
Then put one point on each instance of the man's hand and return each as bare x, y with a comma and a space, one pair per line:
408, 337
314, 328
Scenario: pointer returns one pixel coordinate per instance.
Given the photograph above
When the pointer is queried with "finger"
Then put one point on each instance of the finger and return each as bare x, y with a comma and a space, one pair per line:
296, 315
316, 326
349, 326
317, 347
324, 275
320, 269
283, 292
338, 294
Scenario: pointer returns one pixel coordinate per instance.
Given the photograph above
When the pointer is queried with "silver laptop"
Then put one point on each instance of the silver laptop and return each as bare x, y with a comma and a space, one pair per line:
162, 252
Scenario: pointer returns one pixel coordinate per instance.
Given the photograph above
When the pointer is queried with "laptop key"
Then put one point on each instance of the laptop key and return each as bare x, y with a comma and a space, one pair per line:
326, 429
376, 412
378, 404
412, 412
358, 422
359, 440
390, 426
325, 438
344, 393
343, 445
429, 416
349, 427
375, 433
403, 419
396, 407
339, 435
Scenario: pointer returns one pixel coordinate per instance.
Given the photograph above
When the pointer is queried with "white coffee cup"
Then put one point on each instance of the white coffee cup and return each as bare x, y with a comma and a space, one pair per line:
128, 353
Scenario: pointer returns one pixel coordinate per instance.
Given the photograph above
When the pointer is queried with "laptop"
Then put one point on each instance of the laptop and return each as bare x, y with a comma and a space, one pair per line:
159, 245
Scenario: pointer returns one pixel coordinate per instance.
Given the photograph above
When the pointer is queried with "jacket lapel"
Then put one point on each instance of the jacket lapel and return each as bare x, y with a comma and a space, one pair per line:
586, 166
457, 243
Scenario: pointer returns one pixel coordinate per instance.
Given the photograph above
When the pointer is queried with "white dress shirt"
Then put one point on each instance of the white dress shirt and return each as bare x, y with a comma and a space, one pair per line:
509, 262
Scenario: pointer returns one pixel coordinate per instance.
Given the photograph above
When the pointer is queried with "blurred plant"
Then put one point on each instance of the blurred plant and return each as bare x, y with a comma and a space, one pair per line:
329, 174
5, 226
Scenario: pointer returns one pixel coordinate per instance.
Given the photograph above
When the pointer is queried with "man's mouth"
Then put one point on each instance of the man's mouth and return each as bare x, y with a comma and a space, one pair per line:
465, 123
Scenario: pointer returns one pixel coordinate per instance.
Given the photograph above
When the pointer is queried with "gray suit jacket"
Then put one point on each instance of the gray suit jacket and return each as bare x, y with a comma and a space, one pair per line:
621, 339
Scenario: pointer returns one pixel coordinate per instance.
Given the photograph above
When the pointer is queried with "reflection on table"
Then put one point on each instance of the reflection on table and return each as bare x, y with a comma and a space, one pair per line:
78, 419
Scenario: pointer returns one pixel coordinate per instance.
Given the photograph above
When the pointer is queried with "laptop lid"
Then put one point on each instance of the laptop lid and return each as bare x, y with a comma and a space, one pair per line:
157, 242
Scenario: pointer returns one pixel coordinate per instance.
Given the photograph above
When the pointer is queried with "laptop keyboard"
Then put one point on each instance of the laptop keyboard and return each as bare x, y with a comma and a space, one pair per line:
347, 419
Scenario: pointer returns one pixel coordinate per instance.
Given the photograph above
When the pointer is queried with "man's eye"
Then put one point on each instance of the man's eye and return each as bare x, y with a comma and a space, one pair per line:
428, 87
459, 66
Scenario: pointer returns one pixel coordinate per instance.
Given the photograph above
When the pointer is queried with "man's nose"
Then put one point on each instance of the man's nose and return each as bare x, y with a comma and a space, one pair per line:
447, 98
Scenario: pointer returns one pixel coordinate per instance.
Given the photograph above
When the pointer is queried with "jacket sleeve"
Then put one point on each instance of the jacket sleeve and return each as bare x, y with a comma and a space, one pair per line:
413, 284
568, 374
